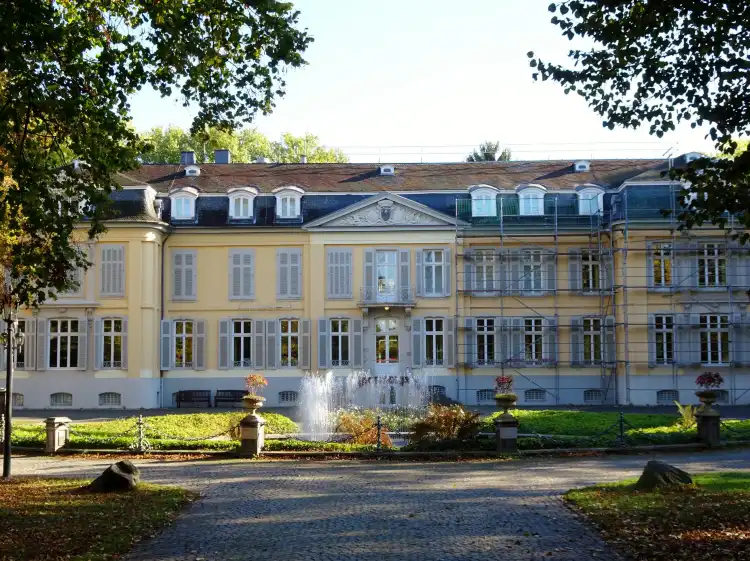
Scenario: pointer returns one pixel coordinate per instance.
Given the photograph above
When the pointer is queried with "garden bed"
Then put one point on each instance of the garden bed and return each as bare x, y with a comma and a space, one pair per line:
709, 520
50, 519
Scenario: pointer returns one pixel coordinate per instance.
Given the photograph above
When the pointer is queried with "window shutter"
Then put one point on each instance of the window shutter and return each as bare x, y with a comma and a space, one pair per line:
199, 345
517, 343
574, 270
120, 271
605, 272
470, 351
111, 270
282, 273
124, 348
449, 350
688, 346
500, 273
323, 343
650, 274
404, 269
695, 338
242, 274
191, 263
416, 349
420, 272
734, 266
41, 344
225, 327
235, 274
369, 287
295, 273
346, 273
680, 266
610, 343
576, 341
448, 264
305, 345
83, 344
30, 344
332, 272
259, 348
651, 338
356, 353
98, 343
550, 270
740, 342
549, 343
166, 344
248, 274
272, 353
177, 275
339, 273
468, 270
515, 286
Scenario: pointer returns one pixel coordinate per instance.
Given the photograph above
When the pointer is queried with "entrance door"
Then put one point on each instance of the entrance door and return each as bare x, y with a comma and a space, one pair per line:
386, 346
385, 262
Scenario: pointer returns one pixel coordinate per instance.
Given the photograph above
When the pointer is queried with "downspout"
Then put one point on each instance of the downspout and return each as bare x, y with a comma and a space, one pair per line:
161, 316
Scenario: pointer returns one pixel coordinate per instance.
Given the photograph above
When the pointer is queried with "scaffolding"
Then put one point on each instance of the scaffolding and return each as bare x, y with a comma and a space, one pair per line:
602, 238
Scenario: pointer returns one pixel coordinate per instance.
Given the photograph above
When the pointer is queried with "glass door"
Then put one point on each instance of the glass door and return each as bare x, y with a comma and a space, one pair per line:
386, 275
386, 346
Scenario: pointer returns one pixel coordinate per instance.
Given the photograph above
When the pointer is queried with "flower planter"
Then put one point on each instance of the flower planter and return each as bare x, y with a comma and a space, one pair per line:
707, 397
253, 403
506, 401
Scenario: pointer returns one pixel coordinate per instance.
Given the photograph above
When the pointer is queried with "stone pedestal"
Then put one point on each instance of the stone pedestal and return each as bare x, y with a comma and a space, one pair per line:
709, 426
58, 432
252, 435
506, 434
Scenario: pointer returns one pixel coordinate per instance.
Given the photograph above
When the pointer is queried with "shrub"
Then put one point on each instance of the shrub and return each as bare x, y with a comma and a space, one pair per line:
445, 422
362, 426
292, 445
687, 414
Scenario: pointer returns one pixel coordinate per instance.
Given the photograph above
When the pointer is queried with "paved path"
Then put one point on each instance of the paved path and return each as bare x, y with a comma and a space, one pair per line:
373, 511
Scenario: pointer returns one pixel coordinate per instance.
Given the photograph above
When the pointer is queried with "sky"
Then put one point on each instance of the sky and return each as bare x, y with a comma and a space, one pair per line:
427, 80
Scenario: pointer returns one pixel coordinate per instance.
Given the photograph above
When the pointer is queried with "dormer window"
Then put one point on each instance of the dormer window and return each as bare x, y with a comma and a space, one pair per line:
387, 170
183, 203
192, 171
590, 201
241, 202
531, 199
483, 201
288, 202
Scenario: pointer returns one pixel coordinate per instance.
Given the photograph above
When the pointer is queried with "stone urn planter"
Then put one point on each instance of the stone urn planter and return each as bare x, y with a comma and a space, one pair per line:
506, 401
707, 397
253, 403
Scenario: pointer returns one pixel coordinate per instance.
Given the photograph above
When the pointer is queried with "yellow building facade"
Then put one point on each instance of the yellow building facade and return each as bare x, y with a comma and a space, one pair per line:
563, 274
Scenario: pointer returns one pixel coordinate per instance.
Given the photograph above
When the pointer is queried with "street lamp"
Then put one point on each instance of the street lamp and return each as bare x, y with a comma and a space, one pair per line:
13, 339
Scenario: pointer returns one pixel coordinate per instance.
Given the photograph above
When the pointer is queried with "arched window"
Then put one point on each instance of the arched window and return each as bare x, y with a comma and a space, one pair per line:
183, 203
485, 395
590, 201
110, 399
288, 396
61, 399
531, 199
436, 391
483, 201
667, 397
593, 396
241, 202
288, 202
537, 394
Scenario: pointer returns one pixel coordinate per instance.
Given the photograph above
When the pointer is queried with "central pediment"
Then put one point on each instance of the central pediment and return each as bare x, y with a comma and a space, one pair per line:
385, 211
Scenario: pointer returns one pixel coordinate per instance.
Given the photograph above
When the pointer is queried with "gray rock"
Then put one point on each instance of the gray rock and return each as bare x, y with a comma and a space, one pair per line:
122, 476
657, 475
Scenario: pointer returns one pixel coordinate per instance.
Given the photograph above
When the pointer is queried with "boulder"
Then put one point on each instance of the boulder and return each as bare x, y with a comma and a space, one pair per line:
657, 475
122, 476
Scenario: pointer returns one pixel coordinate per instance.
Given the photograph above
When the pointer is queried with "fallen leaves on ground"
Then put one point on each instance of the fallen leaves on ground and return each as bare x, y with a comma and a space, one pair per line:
708, 520
52, 519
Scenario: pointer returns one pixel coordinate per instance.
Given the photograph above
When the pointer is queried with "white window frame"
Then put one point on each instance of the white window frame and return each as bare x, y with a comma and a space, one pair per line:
183, 206
587, 396
592, 334
292, 339
288, 396
485, 395
434, 341
591, 266
245, 339
531, 201
532, 271
341, 331
485, 332
533, 340
484, 261
483, 201
662, 264
187, 342
105, 397
664, 338
586, 198
21, 328
67, 403
113, 334
288, 201
535, 395
69, 336
714, 338
712, 265
434, 271
241, 203
674, 395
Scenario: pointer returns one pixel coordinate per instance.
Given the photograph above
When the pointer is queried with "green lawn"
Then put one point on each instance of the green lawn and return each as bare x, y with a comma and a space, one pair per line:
49, 519
709, 520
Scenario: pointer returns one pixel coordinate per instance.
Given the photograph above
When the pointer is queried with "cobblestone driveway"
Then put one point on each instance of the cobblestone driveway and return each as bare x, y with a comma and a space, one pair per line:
368, 511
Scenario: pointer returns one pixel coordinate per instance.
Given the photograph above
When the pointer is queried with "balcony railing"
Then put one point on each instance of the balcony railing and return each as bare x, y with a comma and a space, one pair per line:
371, 296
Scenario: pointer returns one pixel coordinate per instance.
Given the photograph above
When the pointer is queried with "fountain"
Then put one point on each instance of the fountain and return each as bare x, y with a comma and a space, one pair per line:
323, 394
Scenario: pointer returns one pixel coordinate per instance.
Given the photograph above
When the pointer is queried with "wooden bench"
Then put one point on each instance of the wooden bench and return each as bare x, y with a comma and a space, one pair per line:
228, 396
193, 396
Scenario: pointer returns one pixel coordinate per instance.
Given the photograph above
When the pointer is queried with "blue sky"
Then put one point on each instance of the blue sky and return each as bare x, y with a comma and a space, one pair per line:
424, 80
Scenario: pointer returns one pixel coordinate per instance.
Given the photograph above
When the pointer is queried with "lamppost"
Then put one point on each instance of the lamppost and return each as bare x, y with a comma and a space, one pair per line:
13, 339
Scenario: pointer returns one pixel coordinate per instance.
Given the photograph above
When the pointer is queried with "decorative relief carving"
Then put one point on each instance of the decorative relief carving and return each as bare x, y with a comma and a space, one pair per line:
387, 213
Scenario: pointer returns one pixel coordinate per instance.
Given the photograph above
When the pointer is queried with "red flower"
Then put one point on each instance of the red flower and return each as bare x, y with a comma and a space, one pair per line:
709, 380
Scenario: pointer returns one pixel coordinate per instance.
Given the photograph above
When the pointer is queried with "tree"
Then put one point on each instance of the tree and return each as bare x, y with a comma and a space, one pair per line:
663, 63
67, 70
487, 152
246, 145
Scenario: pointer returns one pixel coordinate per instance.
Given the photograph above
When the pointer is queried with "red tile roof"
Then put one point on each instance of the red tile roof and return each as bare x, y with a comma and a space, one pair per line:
365, 178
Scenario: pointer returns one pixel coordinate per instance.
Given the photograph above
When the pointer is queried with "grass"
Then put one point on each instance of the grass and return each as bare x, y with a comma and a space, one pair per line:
292, 445
708, 520
49, 519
